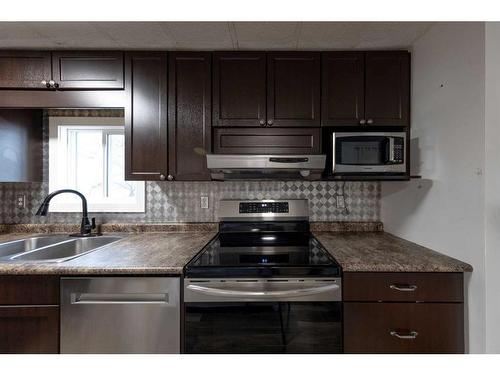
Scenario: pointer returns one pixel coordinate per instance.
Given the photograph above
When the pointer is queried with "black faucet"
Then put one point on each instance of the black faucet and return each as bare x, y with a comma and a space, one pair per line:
85, 227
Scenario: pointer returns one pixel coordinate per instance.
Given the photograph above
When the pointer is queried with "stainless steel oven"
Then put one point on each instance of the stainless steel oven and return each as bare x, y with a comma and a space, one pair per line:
368, 153
264, 284
261, 315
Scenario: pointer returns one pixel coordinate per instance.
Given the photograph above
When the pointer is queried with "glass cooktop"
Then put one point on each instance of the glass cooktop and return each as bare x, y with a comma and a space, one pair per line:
263, 250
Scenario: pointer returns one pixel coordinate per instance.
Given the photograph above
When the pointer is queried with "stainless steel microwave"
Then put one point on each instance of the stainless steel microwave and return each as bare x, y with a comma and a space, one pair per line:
368, 153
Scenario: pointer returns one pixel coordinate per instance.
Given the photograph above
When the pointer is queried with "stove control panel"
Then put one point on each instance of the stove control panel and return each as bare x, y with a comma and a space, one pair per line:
263, 207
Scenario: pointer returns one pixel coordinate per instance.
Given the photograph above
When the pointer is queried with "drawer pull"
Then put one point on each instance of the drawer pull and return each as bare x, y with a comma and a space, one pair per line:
412, 335
403, 288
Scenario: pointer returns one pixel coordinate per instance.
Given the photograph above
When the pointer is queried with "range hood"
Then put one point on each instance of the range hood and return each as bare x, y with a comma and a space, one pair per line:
265, 167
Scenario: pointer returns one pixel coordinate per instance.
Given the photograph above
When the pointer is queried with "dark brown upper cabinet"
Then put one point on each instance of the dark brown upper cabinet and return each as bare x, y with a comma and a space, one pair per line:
343, 97
189, 115
293, 89
88, 69
21, 145
146, 154
78, 70
239, 89
387, 88
366, 88
24, 69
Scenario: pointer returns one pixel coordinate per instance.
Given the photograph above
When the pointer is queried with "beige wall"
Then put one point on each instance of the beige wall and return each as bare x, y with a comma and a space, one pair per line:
445, 210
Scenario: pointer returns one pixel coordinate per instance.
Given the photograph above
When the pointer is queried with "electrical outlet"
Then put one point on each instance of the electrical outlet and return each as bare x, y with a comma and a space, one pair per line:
204, 202
21, 201
340, 201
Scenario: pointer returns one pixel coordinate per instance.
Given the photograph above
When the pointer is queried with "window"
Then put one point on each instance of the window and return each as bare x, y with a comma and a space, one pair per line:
88, 154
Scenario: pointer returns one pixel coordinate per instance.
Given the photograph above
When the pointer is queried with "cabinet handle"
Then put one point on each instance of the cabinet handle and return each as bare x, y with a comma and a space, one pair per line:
170, 177
162, 177
45, 83
403, 288
362, 121
52, 83
262, 122
369, 121
412, 335
269, 122
56, 85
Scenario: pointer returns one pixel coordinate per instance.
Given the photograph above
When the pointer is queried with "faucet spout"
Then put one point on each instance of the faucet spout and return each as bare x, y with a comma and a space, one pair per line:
85, 227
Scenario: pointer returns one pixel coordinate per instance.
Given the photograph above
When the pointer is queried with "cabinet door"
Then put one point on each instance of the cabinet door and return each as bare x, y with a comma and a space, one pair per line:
189, 116
343, 85
403, 327
88, 69
24, 69
267, 141
29, 329
146, 156
293, 85
21, 145
239, 89
387, 88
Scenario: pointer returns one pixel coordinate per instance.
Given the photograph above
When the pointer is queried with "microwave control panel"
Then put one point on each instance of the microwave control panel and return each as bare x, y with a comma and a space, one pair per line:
399, 150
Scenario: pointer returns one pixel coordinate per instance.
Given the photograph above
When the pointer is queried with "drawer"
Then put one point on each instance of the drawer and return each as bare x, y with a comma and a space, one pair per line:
403, 327
29, 290
403, 287
295, 141
29, 330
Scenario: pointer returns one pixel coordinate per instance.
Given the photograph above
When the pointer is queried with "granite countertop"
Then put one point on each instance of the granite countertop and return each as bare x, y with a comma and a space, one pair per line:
383, 252
145, 253
167, 248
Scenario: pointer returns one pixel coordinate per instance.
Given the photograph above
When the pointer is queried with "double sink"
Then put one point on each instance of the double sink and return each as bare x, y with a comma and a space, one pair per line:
54, 248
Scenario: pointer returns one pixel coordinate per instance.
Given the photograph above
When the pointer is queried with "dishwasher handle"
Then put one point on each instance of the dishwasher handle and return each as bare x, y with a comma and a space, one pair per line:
118, 298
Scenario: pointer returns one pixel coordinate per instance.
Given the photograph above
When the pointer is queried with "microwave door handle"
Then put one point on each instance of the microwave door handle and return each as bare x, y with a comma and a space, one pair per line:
391, 150
334, 144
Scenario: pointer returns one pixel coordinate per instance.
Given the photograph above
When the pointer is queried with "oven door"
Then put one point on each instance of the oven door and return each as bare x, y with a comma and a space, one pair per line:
223, 316
369, 152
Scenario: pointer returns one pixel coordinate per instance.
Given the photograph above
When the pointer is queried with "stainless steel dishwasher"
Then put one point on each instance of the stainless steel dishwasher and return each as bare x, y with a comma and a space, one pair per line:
120, 315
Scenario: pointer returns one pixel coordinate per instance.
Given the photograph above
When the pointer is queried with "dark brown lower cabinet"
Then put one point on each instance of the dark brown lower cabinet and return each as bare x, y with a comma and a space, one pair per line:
29, 314
267, 140
403, 312
375, 327
29, 329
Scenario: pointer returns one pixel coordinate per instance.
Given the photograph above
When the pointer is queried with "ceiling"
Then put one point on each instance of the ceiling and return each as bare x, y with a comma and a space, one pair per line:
210, 35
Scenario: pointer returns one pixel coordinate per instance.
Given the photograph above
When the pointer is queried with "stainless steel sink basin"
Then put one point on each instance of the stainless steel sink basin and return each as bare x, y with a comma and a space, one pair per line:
67, 249
29, 244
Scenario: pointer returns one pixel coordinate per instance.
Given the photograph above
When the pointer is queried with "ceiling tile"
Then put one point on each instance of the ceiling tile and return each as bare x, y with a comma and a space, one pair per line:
267, 35
73, 34
20, 35
211, 35
358, 35
136, 35
203, 35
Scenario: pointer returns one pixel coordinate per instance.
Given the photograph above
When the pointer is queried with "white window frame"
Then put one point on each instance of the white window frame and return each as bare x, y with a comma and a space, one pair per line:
58, 165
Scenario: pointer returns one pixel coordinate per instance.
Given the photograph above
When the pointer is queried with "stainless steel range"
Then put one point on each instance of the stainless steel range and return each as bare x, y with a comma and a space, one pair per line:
264, 284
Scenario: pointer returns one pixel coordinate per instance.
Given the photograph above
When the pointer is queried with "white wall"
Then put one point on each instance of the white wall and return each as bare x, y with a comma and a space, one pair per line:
445, 210
492, 187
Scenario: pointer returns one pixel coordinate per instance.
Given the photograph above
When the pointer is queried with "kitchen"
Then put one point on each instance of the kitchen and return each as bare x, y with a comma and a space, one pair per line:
248, 187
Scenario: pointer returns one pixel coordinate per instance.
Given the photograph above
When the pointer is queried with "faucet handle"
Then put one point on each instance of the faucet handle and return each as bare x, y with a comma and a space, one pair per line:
93, 223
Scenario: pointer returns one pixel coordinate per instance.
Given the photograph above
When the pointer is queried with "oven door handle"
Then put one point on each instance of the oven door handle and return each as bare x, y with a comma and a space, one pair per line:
262, 294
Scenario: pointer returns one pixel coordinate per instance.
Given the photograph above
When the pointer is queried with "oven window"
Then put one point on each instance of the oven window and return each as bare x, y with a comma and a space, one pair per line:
263, 327
361, 150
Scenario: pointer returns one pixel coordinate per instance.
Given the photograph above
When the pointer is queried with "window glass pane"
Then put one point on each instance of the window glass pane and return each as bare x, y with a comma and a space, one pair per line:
117, 186
88, 163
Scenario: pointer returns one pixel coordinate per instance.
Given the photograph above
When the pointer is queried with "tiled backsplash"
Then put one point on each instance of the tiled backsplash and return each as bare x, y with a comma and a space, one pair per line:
180, 201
